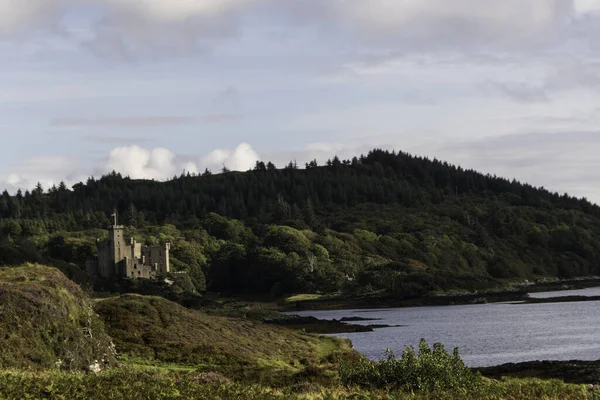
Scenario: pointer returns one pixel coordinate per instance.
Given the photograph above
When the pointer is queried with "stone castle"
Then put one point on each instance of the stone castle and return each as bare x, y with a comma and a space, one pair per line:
121, 258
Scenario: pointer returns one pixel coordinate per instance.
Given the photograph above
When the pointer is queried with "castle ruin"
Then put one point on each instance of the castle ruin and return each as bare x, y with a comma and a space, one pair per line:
121, 258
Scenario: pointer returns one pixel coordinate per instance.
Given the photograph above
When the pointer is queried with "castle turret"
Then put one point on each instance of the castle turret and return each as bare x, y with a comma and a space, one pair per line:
117, 242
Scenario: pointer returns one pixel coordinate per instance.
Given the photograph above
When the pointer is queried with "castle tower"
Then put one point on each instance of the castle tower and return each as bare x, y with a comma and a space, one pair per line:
111, 252
118, 246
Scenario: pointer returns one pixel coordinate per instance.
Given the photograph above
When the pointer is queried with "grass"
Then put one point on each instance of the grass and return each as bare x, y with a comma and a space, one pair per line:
310, 297
47, 321
129, 383
155, 329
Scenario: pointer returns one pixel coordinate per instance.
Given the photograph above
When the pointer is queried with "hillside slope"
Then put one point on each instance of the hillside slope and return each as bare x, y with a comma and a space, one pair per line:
387, 222
155, 330
47, 321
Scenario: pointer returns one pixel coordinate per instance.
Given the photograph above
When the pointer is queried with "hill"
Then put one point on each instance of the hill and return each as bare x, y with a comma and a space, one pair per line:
47, 322
385, 222
154, 330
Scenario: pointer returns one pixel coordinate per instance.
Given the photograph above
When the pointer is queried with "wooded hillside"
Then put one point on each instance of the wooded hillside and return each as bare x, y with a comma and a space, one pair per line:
381, 222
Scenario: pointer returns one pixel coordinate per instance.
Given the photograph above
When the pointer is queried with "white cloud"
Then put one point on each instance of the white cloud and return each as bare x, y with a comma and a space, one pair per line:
242, 158
161, 164
139, 163
48, 171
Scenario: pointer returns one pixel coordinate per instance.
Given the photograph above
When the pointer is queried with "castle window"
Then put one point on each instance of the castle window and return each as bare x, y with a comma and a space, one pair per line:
139, 273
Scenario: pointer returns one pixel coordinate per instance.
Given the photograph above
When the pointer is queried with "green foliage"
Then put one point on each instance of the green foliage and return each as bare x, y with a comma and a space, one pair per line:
428, 370
225, 229
450, 228
182, 284
287, 239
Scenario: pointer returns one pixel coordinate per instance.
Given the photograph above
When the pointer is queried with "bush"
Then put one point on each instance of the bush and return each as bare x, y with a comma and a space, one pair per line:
430, 370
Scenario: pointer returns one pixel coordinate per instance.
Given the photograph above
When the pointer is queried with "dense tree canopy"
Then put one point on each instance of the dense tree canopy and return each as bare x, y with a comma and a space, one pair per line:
385, 221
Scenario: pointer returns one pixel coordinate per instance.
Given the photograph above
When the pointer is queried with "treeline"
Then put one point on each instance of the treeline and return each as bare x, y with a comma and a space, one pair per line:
382, 222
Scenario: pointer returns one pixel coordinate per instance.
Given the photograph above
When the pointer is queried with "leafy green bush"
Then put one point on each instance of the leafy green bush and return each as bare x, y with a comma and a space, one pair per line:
429, 370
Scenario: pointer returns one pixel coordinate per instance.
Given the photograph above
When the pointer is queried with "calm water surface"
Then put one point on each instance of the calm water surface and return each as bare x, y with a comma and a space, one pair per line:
488, 334
589, 292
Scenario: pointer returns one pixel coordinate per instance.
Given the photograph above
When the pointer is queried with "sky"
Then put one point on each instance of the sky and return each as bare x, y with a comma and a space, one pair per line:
151, 88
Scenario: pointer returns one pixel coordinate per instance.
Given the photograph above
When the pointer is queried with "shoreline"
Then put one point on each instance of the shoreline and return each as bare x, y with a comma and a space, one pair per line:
520, 295
572, 371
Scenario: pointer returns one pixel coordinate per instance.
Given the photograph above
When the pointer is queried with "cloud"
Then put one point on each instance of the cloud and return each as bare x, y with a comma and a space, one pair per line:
434, 25
162, 164
121, 122
242, 158
139, 163
133, 161
128, 27
46, 170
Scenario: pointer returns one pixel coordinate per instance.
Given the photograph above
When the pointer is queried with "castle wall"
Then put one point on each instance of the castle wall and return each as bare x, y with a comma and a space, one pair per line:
140, 271
116, 257
157, 256
105, 260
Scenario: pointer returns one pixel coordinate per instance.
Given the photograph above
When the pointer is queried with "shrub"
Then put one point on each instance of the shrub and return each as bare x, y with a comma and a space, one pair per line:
429, 370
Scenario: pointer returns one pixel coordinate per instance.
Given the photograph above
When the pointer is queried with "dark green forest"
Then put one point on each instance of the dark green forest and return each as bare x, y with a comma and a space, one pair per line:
385, 222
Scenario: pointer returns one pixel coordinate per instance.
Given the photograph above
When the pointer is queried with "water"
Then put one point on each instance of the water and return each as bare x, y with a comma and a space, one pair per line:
487, 334
589, 292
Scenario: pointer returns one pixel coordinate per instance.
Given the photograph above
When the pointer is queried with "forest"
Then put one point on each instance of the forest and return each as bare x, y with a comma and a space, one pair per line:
385, 222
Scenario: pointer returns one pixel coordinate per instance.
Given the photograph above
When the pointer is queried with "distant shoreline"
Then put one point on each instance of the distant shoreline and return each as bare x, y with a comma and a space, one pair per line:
573, 371
519, 295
